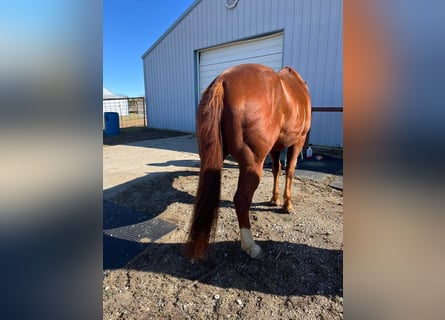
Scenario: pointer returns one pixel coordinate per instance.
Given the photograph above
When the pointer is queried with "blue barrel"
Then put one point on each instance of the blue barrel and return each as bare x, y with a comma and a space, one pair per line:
111, 123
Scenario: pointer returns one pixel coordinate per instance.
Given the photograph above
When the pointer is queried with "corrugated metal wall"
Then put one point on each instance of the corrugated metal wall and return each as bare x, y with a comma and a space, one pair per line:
312, 45
327, 129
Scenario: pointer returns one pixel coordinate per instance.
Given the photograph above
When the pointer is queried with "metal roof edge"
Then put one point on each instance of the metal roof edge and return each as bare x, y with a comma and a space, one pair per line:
181, 17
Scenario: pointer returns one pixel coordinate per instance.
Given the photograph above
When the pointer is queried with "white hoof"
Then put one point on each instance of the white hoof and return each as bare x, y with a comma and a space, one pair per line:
248, 245
255, 252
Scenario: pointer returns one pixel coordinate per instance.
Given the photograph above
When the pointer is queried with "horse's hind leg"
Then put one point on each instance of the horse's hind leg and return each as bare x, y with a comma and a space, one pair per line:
248, 181
276, 169
292, 156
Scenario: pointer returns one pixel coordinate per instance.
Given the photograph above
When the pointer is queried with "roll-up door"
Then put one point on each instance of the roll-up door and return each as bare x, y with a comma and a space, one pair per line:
266, 50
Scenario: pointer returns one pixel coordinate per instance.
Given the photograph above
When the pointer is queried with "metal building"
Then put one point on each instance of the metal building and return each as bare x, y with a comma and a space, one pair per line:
213, 35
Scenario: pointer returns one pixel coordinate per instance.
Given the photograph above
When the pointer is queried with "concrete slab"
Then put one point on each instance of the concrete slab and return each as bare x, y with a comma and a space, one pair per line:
124, 163
312, 175
337, 183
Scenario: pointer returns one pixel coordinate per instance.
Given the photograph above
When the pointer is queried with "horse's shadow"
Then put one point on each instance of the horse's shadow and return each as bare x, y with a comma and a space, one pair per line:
267, 206
288, 269
228, 164
176, 163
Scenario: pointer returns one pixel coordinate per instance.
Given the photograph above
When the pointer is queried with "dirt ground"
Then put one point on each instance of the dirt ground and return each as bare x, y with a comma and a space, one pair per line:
299, 278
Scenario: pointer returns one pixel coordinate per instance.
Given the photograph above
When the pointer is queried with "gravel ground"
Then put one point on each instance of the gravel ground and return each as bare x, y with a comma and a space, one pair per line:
299, 278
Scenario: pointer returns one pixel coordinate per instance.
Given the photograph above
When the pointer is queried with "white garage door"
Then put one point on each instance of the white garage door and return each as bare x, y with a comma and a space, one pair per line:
266, 50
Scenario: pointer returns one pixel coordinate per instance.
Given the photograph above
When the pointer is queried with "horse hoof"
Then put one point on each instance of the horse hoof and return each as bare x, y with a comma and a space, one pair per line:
288, 209
275, 202
255, 252
259, 255
249, 246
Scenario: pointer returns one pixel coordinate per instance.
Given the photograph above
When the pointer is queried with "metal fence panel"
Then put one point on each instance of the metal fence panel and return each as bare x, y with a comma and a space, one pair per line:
131, 111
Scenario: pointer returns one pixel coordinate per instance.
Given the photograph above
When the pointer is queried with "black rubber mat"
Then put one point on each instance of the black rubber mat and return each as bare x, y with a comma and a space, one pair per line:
143, 232
127, 232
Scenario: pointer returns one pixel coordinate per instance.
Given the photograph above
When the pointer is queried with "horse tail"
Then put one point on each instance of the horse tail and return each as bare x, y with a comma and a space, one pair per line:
205, 211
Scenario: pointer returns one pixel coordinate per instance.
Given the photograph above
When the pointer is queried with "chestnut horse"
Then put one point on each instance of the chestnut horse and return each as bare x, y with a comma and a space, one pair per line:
248, 111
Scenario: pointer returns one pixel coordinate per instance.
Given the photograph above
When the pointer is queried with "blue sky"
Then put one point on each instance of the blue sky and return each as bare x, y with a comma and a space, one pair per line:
129, 29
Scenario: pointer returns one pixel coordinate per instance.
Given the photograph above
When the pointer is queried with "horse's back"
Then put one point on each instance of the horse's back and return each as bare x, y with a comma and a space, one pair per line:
297, 110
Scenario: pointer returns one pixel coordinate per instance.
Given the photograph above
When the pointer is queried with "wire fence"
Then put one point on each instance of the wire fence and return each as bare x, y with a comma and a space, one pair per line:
131, 111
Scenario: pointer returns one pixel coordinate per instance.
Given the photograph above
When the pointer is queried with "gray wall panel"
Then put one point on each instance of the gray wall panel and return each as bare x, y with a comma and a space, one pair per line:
312, 45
